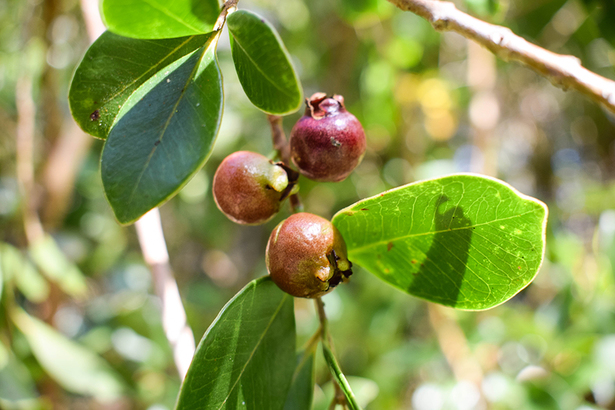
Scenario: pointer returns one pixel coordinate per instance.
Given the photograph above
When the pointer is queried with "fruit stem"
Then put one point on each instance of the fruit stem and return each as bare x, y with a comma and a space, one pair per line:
281, 145
339, 397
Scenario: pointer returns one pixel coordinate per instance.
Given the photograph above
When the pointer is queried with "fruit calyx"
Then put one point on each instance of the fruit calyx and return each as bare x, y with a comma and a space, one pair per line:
319, 106
342, 269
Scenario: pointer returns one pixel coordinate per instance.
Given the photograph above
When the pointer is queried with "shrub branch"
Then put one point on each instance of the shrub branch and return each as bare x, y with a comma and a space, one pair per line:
564, 71
174, 322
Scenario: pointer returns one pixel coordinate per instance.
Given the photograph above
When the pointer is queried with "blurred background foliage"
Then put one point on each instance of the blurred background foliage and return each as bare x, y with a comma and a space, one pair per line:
80, 327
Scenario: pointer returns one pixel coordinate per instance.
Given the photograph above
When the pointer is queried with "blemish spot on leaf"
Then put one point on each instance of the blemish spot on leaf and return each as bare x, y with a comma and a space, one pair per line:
413, 261
390, 246
364, 209
95, 115
156, 143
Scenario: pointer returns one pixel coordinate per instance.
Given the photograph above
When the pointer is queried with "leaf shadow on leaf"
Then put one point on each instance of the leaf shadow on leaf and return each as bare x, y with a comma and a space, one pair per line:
443, 269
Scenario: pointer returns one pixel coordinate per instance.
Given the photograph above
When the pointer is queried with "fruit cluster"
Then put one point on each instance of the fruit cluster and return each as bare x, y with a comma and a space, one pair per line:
306, 255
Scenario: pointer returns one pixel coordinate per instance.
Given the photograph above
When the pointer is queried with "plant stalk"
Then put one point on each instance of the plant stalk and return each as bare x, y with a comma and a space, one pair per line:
564, 71
174, 322
282, 146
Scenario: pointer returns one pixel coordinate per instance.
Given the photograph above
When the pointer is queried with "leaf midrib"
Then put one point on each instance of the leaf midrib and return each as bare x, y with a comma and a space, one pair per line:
258, 68
166, 125
262, 336
415, 235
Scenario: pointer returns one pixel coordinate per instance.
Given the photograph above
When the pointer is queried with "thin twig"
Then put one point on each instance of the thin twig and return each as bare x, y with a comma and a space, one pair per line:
562, 70
228, 7
278, 137
281, 145
174, 323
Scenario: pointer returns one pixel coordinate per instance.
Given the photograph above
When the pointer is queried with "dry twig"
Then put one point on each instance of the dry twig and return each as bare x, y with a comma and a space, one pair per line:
564, 71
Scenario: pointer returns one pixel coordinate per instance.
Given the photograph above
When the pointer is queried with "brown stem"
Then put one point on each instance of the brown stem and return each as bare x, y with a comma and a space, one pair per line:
278, 137
228, 7
281, 145
562, 70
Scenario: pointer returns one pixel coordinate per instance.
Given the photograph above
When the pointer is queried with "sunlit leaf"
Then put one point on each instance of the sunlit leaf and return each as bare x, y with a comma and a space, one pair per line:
113, 68
160, 18
74, 367
55, 265
247, 357
263, 65
465, 241
164, 135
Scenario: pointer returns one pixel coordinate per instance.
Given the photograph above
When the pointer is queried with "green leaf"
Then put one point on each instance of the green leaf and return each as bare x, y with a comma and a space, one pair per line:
247, 356
336, 371
301, 393
55, 265
17, 389
164, 135
113, 68
466, 241
263, 65
74, 367
1, 278
160, 18
21, 271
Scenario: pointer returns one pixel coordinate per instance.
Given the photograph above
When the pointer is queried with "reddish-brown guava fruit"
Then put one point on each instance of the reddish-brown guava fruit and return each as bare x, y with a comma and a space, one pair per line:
249, 188
328, 142
306, 256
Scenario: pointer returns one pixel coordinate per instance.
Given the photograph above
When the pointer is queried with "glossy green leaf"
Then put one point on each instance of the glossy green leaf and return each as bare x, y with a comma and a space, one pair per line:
263, 65
301, 393
336, 371
17, 268
466, 241
113, 68
247, 357
55, 265
160, 18
164, 135
74, 367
